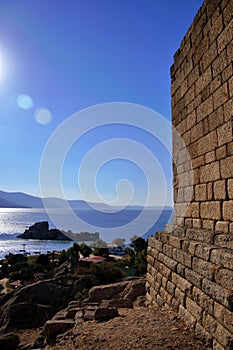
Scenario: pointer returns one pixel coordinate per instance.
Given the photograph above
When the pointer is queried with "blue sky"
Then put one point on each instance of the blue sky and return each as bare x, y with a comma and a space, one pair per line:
58, 57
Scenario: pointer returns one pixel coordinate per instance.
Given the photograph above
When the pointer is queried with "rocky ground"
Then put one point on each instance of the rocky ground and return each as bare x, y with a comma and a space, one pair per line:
114, 316
139, 328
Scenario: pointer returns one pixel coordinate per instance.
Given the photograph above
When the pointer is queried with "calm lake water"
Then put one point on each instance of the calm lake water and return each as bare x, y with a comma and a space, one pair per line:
123, 224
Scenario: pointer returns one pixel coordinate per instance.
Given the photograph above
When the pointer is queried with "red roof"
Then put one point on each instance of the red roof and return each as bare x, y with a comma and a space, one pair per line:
93, 258
17, 283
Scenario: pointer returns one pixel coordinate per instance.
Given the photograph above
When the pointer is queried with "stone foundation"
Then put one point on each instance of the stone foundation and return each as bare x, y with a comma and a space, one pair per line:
191, 270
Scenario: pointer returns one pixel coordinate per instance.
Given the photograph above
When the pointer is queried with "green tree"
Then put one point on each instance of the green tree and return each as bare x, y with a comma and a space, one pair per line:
43, 260
100, 248
85, 250
67, 254
13, 259
137, 252
139, 245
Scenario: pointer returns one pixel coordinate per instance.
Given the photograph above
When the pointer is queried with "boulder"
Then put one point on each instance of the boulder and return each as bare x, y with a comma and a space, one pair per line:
44, 299
28, 315
109, 291
134, 289
54, 327
9, 341
129, 289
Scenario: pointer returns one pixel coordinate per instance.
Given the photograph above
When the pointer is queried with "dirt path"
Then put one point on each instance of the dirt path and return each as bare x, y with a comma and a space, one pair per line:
140, 328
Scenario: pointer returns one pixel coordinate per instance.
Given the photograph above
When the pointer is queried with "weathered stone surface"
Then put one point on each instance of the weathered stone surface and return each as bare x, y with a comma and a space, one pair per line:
228, 210
187, 317
172, 264
125, 289
134, 289
222, 226
218, 293
193, 277
203, 268
194, 309
211, 210
230, 188
99, 293
203, 300
182, 284
203, 334
223, 316
224, 240
223, 257
226, 167
182, 257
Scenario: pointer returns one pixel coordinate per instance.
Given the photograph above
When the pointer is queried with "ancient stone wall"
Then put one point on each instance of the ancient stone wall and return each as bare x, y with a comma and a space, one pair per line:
190, 266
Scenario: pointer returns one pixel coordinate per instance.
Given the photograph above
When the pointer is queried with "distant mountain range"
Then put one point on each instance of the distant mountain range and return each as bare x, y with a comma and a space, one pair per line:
23, 200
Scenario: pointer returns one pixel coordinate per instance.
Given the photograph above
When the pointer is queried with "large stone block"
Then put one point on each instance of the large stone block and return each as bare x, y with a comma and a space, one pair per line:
224, 337
230, 188
200, 235
187, 317
201, 192
204, 268
223, 316
182, 257
228, 210
171, 263
222, 257
211, 210
218, 293
224, 240
224, 278
219, 64
203, 251
225, 37
220, 189
222, 226
193, 277
203, 300
182, 284
194, 309
225, 133
205, 108
210, 172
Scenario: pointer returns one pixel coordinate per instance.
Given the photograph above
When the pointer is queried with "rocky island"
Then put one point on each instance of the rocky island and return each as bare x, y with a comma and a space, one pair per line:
40, 230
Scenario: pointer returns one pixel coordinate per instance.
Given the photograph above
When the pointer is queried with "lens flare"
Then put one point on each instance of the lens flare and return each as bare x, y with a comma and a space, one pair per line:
42, 116
24, 102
